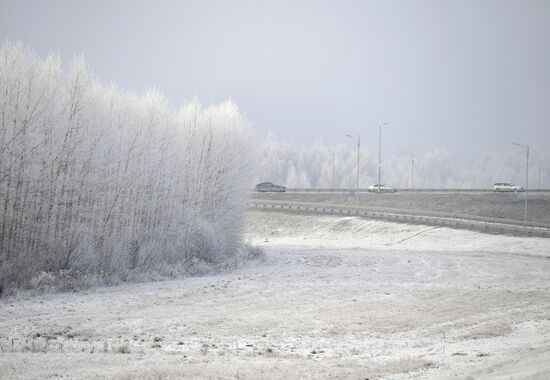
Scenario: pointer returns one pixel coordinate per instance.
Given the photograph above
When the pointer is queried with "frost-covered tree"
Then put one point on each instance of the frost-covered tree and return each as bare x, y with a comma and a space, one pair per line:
98, 181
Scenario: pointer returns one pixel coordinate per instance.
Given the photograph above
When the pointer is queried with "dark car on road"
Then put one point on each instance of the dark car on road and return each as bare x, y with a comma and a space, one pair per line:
265, 187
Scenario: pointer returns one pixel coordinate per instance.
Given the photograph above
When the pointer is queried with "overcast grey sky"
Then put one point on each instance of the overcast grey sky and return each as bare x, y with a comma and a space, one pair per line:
468, 75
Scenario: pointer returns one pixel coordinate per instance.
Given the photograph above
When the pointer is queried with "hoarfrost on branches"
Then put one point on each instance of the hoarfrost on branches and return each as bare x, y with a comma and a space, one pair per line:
98, 181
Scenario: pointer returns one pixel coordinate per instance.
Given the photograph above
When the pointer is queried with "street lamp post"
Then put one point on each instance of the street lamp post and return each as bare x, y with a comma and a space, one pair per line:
526, 149
358, 138
331, 151
380, 151
540, 169
412, 172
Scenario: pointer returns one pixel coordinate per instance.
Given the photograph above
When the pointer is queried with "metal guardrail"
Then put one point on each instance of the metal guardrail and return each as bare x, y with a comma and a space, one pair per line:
408, 211
475, 225
345, 191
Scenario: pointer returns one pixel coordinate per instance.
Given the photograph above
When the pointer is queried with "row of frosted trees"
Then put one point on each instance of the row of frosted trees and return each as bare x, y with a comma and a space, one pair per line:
97, 181
311, 167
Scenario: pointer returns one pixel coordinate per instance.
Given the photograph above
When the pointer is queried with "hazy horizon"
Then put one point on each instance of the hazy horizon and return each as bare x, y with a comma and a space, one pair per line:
470, 77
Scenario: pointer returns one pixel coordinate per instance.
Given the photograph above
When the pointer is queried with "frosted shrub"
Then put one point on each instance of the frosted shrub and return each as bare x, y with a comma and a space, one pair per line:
207, 244
107, 183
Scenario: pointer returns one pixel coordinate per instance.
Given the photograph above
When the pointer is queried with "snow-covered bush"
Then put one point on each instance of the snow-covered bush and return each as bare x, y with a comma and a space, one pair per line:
101, 181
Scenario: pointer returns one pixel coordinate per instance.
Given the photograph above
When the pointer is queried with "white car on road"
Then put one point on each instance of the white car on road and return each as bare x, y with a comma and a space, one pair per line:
383, 189
506, 187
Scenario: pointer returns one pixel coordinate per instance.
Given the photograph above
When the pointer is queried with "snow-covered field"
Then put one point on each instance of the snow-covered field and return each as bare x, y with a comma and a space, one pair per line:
334, 297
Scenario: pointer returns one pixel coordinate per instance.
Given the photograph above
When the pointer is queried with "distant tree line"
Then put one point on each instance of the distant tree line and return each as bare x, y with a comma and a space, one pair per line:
311, 167
101, 183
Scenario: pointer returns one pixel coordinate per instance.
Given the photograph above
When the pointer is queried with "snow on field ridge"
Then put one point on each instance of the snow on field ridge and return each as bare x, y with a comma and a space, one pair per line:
283, 228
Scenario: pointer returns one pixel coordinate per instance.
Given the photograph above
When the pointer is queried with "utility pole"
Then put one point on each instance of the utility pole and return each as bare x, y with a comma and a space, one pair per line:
526, 149
539, 175
380, 152
358, 138
357, 186
331, 151
412, 172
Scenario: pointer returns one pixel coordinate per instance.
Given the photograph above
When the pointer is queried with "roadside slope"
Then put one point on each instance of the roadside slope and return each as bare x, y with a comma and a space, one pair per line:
354, 232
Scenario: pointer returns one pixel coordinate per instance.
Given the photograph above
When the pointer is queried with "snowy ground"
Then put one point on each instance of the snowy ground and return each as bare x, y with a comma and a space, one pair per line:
335, 297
